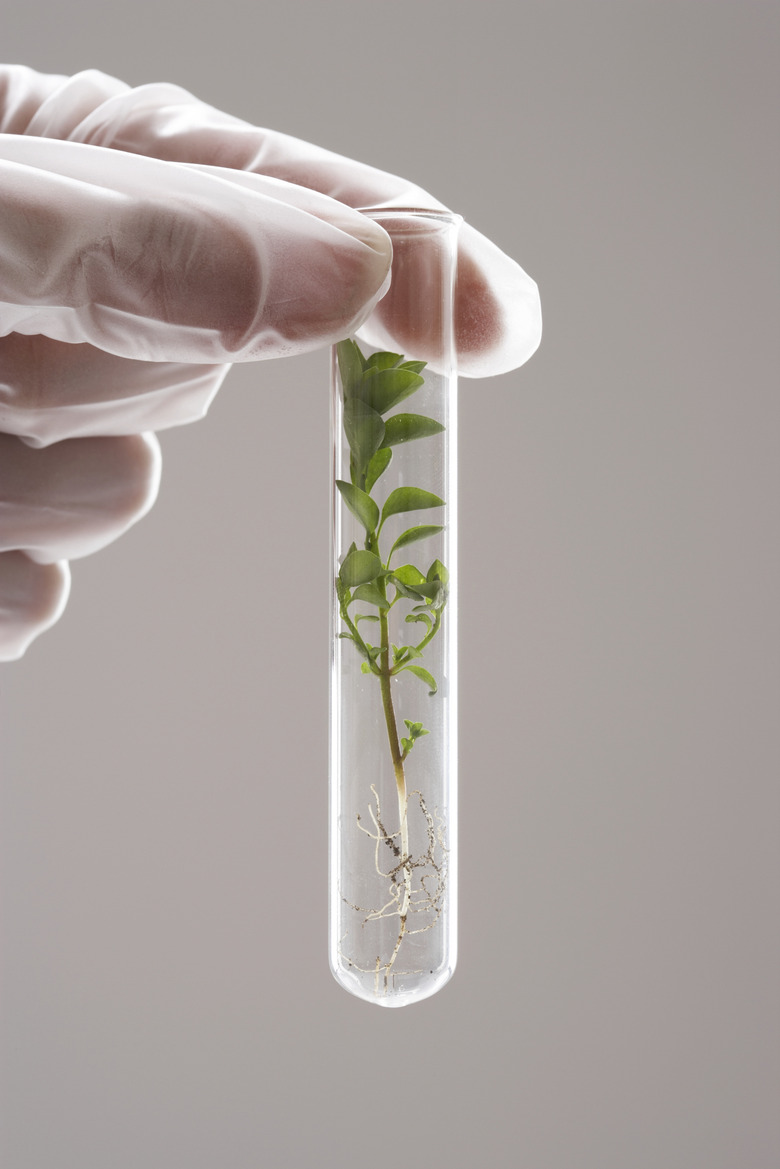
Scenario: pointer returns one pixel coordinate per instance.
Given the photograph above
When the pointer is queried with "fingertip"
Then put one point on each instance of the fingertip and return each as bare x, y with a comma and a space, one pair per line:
373, 235
149, 457
372, 280
320, 281
358, 253
54, 594
498, 309
128, 471
70, 499
32, 598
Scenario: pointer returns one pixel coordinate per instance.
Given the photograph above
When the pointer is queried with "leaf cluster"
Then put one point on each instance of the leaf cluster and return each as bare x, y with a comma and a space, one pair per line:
371, 388
416, 731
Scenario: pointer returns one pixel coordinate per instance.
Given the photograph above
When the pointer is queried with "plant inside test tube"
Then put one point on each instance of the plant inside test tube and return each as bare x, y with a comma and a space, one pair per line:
367, 576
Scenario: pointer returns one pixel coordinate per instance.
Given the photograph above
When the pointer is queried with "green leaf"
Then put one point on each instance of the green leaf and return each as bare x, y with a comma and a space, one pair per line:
377, 466
364, 429
437, 571
361, 505
384, 388
424, 617
370, 653
408, 575
359, 567
427, 678
403, 590
421, 532
430, 589
435, 593
383, 360
416, 731
414, 366
371, 595
405, 427
409, 499
430, 592
406, 580
406, 653
362, 617
351, 365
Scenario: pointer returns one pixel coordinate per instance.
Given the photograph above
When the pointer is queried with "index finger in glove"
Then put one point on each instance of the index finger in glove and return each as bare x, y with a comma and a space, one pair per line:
498, 316
147, 259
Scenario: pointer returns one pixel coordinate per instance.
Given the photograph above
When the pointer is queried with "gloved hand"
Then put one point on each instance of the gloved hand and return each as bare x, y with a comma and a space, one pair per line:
146, 241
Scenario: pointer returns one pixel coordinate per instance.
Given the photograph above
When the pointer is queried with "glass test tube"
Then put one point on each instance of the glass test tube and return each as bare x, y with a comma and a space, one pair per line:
393, 780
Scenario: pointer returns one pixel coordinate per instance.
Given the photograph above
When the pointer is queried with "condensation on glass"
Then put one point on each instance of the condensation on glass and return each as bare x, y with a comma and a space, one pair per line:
393, 767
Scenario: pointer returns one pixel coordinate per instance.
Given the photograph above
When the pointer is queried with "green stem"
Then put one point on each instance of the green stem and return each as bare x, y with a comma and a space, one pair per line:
398, 762
432, 631
358, 639
421, 646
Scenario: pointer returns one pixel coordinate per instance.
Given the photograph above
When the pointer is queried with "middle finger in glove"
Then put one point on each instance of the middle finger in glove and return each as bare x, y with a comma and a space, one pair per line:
52, 390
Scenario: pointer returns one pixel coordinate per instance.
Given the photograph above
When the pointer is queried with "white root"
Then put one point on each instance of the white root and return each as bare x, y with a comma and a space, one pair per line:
417, 884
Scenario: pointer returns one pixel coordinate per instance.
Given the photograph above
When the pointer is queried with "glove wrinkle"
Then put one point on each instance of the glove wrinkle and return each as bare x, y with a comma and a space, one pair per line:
22, 93
62, 112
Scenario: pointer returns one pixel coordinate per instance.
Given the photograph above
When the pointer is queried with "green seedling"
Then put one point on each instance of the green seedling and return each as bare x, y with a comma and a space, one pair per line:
369, 576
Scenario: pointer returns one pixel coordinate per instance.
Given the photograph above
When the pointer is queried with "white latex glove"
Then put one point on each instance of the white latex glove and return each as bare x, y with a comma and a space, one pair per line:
146, 241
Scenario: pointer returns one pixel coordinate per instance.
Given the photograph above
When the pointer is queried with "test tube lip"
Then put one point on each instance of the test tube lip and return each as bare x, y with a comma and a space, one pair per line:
415, 214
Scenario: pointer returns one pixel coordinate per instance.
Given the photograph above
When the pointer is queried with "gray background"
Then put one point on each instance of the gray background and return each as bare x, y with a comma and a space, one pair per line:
166, 996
